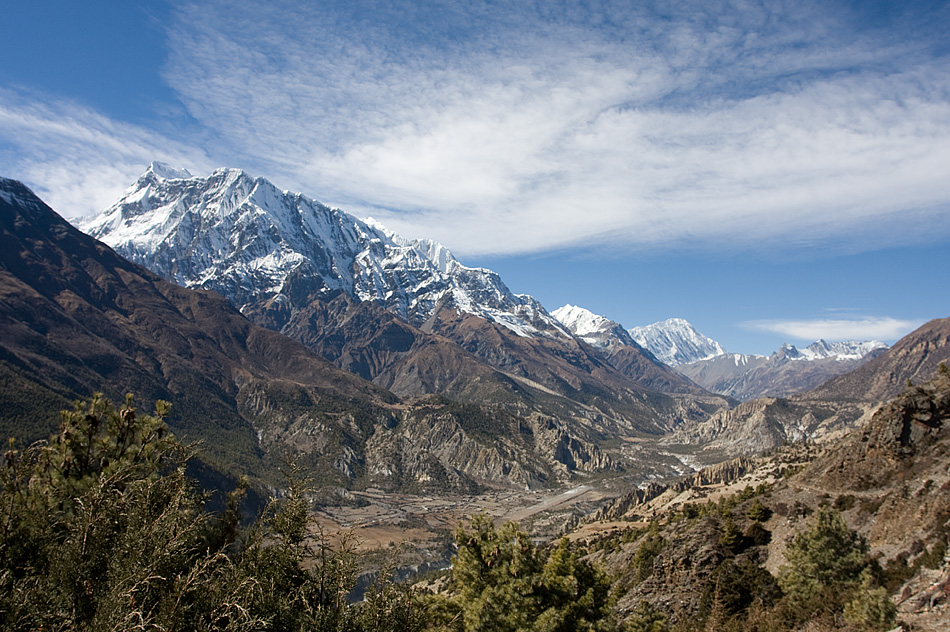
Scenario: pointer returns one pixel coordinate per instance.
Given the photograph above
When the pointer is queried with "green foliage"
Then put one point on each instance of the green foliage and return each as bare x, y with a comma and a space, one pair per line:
934, 557
825, 564
844, 502
871, 607
757, 535
103, 530
390, 607
479, 422
730, 538
735, 586
691, 511
288, 595
502, 582
649, 549
758, 512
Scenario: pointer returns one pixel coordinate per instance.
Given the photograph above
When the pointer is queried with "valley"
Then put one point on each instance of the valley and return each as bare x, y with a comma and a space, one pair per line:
380, 519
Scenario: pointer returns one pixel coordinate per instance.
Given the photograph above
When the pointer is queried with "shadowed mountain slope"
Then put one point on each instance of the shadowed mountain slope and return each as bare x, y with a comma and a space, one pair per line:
76, 318
370, 301
914, 357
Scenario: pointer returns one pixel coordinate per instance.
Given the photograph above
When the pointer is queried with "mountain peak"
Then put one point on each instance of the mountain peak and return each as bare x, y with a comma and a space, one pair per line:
243, 237
598, 331
16, 193
168, 172
580, 320
675, 341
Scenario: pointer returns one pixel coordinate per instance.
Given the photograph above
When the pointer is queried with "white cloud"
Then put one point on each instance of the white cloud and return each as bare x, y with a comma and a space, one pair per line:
75, 159
868, 328
513, 132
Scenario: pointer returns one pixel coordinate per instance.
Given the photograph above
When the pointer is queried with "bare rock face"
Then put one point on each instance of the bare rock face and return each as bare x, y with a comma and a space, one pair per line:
762, 424
893, 474
908, 434
435, 450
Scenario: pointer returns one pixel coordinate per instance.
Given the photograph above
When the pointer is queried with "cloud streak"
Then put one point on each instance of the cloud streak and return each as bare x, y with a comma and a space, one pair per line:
500, 131
74, 158
832, 329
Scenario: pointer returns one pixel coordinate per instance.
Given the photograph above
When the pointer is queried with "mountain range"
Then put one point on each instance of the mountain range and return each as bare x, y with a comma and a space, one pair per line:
282, 330
835, 406
404, 314
705, 362
787, 371
280, 326
77, 318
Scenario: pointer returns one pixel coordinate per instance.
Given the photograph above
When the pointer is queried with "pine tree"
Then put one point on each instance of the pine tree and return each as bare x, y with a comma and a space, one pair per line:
825, 563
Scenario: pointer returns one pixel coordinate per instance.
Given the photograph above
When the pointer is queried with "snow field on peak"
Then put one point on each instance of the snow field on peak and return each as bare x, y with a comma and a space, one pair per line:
167, 172
675, 341
243, 236
581, 321
841, 351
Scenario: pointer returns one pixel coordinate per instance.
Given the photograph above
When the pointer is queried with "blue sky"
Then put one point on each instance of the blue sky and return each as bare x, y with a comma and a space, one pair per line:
769, 171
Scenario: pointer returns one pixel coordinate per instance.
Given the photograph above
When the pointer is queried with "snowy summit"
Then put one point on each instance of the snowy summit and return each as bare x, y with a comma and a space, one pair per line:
674, 341
246, 239
597, 331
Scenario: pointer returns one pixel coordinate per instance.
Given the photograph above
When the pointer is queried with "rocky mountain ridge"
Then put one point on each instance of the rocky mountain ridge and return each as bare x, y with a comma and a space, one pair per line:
613, 342
787, 371
835, 406
723, 534
675, 342
244, 238
288, 262
76, 318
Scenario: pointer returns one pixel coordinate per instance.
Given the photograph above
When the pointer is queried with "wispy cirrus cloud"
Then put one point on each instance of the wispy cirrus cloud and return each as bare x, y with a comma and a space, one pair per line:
836, 329
519, 128
76, 159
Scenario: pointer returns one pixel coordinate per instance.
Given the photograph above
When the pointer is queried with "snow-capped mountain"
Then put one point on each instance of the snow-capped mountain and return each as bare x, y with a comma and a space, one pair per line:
597, 331
675, 342
402, 313
787, 371
250, 241
617, 346
840, 351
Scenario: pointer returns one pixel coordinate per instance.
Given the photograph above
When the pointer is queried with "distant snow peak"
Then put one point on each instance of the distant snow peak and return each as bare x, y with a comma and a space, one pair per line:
598, 331
786, 371
245, 238
581, 321
675, 341
167, 172
841, 351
